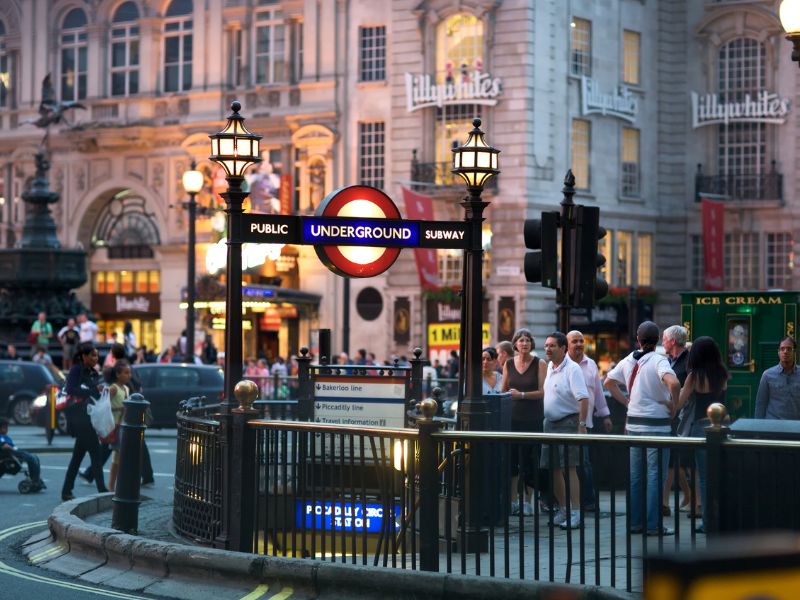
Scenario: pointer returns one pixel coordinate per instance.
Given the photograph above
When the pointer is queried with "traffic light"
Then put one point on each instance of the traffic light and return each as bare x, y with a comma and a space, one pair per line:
587, 287
541, 236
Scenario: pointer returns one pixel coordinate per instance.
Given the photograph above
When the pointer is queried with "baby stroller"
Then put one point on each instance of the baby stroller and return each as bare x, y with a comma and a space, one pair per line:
11, 465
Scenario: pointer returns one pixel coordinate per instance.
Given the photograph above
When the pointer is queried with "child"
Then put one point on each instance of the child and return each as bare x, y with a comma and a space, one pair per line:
7, 445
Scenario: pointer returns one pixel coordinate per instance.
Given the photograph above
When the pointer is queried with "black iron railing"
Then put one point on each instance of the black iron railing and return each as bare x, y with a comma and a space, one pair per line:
740, 187
197, 503
428, 175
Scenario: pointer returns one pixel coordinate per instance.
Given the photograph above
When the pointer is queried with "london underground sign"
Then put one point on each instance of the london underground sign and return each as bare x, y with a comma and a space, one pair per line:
357, 232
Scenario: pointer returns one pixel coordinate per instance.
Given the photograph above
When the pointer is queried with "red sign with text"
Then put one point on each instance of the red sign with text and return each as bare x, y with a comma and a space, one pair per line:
713, 244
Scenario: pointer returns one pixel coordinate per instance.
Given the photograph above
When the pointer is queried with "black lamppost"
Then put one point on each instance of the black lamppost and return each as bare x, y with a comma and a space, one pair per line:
476, 163
235, 149
192, 184
790, 19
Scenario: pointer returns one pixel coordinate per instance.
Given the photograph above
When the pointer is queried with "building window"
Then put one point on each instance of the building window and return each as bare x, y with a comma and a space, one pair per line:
780, 260
270, 46
372, 47
644, 259
631, 44
624, 266
126, 282
450, 267
742, 146
604, 248
581, 144
125, 51
238, 69
581, 47
630, 161
741, 261
297, 51
73, 56
459, 52
371, 153
5, 72
178, 46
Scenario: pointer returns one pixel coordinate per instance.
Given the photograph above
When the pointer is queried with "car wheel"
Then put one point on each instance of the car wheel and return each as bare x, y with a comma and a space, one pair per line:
21, 411
61, 422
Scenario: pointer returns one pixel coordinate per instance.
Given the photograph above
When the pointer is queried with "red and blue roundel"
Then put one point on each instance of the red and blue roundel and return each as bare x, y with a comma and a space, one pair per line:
364, 202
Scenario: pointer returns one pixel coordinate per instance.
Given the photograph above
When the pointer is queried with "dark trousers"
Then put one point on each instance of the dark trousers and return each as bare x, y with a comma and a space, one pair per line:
105, 451
31, 460
85, 443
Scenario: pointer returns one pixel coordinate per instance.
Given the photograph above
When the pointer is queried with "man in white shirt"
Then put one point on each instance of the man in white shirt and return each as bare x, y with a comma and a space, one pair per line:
566, 405
653, 391
87, 328
598, 406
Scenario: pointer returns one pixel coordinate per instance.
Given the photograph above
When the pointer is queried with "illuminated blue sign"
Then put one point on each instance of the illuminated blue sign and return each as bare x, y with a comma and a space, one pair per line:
326, 231
348, 516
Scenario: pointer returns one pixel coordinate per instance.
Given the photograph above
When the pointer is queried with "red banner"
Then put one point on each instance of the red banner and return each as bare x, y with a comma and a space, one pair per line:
713, 242
420, 208
285, 194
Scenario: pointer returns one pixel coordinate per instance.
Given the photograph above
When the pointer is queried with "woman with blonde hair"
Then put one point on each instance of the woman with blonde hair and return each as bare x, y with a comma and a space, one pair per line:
523, 378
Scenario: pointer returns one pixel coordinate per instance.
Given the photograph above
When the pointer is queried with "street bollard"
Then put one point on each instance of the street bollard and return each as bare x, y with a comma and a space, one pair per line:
126, 499
428, 485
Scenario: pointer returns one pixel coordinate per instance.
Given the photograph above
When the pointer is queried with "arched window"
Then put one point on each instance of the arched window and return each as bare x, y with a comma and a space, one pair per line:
742, 146
178, 46
126, 228
73, 55
125, 50
459, 52
5, 73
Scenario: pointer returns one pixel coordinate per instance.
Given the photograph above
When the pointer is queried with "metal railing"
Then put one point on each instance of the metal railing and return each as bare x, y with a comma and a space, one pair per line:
740, 187
197, 502
439, 174
315, 482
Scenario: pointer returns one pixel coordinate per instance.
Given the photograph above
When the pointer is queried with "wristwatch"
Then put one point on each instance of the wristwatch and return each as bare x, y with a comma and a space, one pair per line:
581, 423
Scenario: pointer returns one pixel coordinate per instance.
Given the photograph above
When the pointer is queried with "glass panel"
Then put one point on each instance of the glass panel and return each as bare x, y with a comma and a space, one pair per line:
179, 7
644, 259
100, 282
459, 47
630, 57
126, 12
581, 47
126, 282
118, 54
581, 134
134, 82
74, 19
624, 258
171, 79
187, 76
172, 50
155, 282
141, 282
118, 84
134, 53
111, 282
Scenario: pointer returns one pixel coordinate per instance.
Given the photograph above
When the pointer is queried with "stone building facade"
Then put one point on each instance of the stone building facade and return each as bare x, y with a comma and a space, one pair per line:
345, 92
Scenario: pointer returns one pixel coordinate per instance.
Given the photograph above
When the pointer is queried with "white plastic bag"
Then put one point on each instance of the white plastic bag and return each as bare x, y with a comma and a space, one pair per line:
101, 415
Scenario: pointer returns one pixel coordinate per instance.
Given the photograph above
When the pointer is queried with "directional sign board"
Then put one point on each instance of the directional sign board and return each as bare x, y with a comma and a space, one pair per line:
360, 401
330, 231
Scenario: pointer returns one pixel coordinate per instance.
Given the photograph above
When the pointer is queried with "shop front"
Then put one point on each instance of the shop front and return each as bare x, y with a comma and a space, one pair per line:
128, 296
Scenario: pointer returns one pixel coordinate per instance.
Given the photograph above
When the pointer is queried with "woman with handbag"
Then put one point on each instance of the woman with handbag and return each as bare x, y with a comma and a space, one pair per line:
119, 378
83, 385
706, 384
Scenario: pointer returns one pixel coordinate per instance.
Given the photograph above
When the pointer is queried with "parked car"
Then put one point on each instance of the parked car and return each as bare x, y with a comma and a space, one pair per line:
166, 385
163, 385
20, 383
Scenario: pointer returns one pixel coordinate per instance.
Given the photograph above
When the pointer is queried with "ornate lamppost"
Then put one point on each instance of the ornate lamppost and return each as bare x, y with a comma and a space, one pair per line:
192, 184
476, 163
790, 19
235, 149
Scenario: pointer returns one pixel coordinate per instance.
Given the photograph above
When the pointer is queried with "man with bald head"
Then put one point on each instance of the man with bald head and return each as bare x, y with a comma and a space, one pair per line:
653, 391
576, 346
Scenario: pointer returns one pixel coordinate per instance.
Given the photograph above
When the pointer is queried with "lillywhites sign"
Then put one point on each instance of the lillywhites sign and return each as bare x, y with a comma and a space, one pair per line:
475, 88
136, 304
759, 107
621, 103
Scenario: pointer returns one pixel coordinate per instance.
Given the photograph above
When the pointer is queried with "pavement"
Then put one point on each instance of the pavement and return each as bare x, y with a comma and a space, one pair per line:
80, 543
